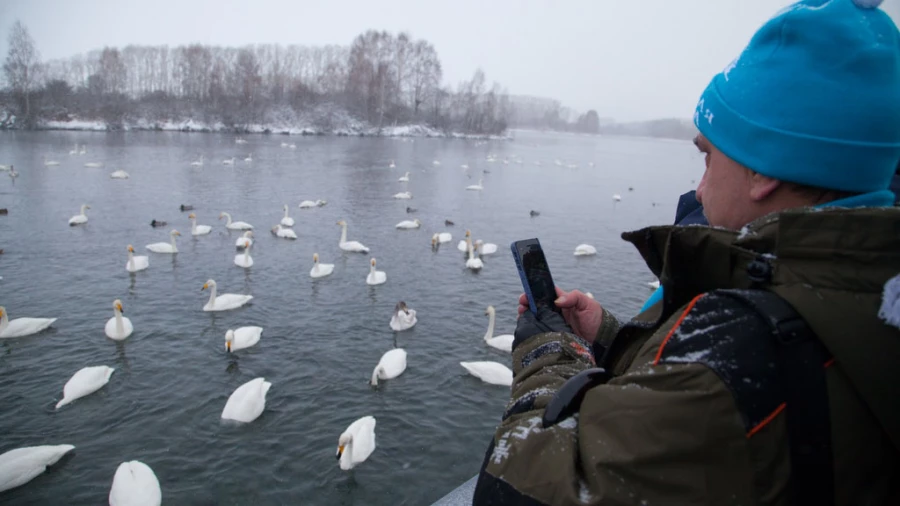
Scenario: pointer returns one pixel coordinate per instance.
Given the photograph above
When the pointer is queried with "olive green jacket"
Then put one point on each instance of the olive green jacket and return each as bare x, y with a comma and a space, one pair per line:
669, 431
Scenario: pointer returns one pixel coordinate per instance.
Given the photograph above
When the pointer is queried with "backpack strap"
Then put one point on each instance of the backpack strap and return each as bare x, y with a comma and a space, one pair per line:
801, 360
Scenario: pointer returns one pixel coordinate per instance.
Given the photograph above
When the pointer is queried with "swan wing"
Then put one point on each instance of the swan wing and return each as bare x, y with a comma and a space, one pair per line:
462, 246
21, 327
228, 301
19, 466
488, 248
444, 237
135, 484
161, 247
78, 219
287, 222
85, 382
245, 337
393, 362
140, 263
490, 372
201, 230
502, 342
247, 402
354, 246
363, 431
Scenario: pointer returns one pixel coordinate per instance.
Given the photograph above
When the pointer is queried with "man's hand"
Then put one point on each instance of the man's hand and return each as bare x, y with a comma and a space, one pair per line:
581, 312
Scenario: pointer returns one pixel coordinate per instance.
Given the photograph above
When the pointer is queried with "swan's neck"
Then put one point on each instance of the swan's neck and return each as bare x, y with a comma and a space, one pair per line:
286, 212
470, 249
4, 322
227, 218
343, 233
172, 242
120, 325
371, 269
130, 259
83, 209
193, 225
212, 296
374, 382
247, 254
490, 330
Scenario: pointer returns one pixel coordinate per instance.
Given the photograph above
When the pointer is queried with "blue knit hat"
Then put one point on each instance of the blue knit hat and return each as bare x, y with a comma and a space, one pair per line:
813, 99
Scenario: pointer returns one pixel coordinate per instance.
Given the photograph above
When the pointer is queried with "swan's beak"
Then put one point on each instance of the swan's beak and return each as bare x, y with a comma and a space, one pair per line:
340, 451
228, 346
120, 308
205, 286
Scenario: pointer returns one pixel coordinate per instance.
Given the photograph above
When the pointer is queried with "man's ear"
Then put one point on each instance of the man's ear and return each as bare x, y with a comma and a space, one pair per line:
762, 186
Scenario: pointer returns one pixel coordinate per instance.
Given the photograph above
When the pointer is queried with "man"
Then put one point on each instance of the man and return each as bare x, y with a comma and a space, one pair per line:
704, 398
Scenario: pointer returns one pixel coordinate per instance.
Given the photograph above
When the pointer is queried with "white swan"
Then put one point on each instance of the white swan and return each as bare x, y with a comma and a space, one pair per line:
584, 250
292, 146
404, 178
463, 245
464, 166
404, 317
235, 225
242, 337
403, 195
249, 158
240, 141
476, 187
225, 301
119, 174
83, 150
616, 197
247, 402
118, 327
136, 263
244, 259
356, 443
198, 163
81, 218
287, 221
244, 240
485, 248
284, 233
135, 484
50, 163
391, 365
444, 237
473, 262
490, 372
409, 224
228, 161
12, 172
198, 229
320, 270
502, 342
436, 163
74, 150
165, 247
392, 165
21, 327
85, 382
375, 277
21, 465
346, 245
308, 204
93, 165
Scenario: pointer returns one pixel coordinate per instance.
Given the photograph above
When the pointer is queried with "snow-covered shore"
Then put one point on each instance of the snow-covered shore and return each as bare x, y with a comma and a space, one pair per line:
350, 128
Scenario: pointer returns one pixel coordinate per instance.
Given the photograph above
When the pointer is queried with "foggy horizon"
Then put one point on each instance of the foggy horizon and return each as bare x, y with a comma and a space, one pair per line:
630, 61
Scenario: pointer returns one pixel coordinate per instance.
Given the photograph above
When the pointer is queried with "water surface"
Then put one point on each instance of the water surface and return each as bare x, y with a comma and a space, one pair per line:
322, 337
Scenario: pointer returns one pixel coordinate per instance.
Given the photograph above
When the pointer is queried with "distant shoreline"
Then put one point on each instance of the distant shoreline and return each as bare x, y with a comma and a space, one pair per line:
191, 126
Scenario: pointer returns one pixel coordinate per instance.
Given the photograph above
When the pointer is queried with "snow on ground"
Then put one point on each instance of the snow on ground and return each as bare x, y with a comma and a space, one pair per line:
348, 127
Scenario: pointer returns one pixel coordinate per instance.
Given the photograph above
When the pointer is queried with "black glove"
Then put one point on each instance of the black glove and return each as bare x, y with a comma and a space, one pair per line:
547, 320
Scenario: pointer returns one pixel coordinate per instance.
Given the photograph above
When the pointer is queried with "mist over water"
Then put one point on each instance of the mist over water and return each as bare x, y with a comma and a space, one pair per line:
322, 337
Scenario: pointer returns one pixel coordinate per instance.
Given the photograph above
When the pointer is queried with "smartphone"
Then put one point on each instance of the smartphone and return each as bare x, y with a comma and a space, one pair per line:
535, 274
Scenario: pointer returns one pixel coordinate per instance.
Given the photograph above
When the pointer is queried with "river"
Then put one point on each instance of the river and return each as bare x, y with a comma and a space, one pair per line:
322, 337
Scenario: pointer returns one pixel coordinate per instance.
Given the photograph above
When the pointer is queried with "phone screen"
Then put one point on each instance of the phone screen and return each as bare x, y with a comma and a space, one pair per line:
535, 274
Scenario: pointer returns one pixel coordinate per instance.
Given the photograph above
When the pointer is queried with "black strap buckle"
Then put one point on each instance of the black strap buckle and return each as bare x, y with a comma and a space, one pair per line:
567, 400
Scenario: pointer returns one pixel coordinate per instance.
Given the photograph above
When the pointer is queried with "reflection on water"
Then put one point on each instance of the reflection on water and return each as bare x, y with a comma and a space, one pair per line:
322, 338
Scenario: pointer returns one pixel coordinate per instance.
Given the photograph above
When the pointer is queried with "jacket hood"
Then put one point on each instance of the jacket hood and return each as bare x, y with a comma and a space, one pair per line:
831, 264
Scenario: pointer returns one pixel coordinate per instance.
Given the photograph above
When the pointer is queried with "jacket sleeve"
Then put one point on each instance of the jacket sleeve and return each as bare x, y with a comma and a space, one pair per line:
658, 434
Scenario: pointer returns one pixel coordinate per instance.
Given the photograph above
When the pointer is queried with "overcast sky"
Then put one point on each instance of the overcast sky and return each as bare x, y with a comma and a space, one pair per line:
630, 60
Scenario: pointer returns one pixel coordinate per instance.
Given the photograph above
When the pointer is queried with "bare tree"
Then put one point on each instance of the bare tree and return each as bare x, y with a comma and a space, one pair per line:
21, 65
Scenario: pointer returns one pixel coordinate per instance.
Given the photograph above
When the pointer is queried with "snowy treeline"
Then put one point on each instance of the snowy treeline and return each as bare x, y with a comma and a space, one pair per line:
380, 80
